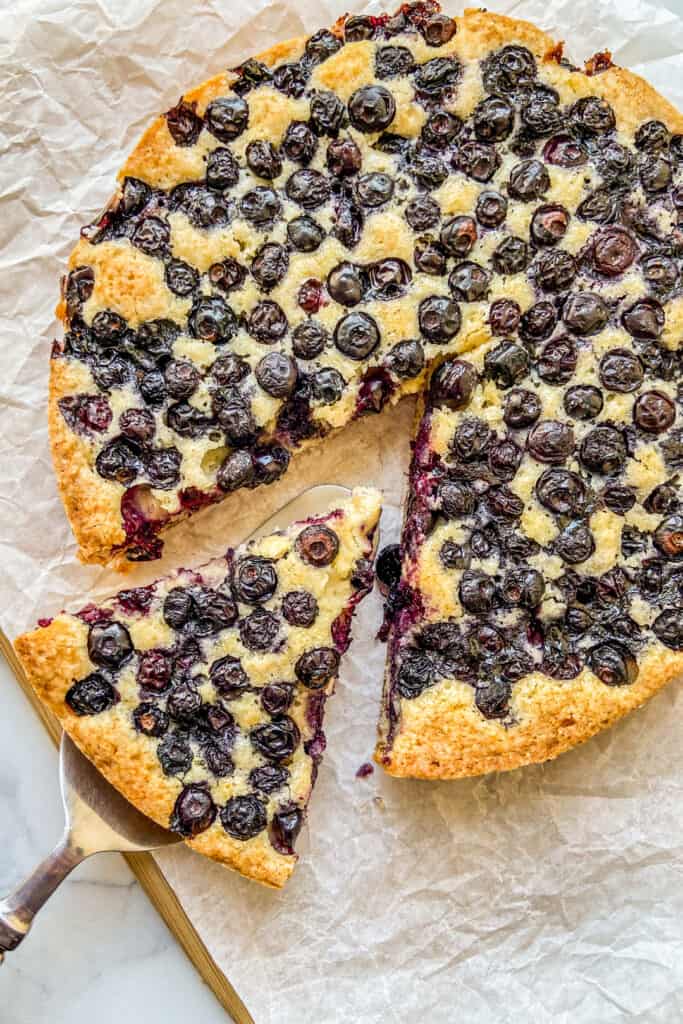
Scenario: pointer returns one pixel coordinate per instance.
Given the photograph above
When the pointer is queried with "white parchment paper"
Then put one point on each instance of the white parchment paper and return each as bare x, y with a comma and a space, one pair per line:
549, 894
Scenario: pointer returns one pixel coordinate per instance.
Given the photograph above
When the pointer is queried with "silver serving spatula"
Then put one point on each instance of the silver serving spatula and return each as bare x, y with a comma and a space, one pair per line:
98, 818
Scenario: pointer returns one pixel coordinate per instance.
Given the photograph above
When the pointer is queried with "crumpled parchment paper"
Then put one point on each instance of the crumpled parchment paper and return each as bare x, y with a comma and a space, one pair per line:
549, 894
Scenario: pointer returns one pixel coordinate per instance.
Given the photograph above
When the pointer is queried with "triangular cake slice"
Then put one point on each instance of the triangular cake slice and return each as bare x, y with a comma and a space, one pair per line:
297, 241
542, 554
201, 697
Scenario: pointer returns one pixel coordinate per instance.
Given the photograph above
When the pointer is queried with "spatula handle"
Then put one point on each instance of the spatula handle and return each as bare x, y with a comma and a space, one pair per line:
19, 908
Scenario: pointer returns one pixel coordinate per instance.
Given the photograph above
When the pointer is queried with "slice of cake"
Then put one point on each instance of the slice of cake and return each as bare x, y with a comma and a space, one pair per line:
201, 697
541, 590
297, 240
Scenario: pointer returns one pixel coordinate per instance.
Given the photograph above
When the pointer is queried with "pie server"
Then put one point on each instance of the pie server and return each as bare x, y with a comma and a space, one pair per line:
97, 818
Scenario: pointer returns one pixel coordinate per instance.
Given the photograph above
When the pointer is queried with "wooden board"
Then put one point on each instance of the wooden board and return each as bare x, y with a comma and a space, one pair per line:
150, 877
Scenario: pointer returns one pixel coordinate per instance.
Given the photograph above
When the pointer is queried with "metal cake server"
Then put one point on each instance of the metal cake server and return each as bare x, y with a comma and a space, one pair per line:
97, 818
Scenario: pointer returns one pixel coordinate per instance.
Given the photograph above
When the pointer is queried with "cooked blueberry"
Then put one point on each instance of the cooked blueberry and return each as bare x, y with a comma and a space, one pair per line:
551, 441
388, 567
415, 674
477, 160
137, 424
504, 458
593, 115
162, 467
252, 73
456, 499
317, 666
157, 337
575, 544
388, 278
422, 213
108, 327
541, 114
152, 236
291, 79
182, 378
491, 209
268, 778
668, 537
430, 256
345, 285
555, 270
493, 698
153, 387
439, 318
278, 739
660, 272
406, 359
585, 313
305, 234
662, 499
154, 670
317, 545
229, 678
458, 235
614, 250
615, 162
565, 151
119, 460
134, 195
511, 256
603, 450
477, 591
181, 278
150, 720
583, 402
374, 189
644, 320
452, 384
348, 224
175, 754
538, 322
507, 363
621, 370
437, 29
227, 117
299, 608
343, 157
187, 420
194, 811
523, 587
269, 265
254, 579
260, 206
204, 207
471, 439
613, 664
522, 408
267, 322
528, 180
600, 206
244, 817
92, 695
668, 628
237, 470
654, 412
509, 69
549, 224
429, 170
327, 385
222, 170
308, 188
321, 45
356, 335
211, 319
440, 129
672, 446
183, 701
561, 491
557, 360
504, 316
299, 143
436, 76
493, 119
327, 113
652, 137
392, 61
655, 173
259, 631
309, 339
86, 413
183, 123
469, 282
454, 556
284, 829
504, 502
277, 374
234, 415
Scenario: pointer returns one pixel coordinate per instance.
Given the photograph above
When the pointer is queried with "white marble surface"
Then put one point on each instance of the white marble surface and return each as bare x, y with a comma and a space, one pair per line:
98, 951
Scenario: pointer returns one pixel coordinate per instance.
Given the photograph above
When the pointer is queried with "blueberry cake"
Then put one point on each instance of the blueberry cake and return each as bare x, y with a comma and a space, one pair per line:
296, 241
537, 595
201, 697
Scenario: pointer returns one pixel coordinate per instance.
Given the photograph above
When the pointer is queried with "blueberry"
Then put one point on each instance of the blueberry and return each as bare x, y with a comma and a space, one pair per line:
175, 754
187, 420
134, 195
557, 360
222, 170
668, 537
244, 817
153, 387
659, 272
429, 170
662, 499
268, 778
416, 673
343, 157
150, 720
522, 408
565, 151
592, 115
469, 282
388, 278
504, 316
541, 114
299, 143
672, 447
615, 162
551, 441
374, 189
317, 666
254, 579
137, 424
327, 113
348, 224
305, 234
277, 697
549, 224
511, 256
181, 377
327, 386
299, 608
194, 811
267, 322
644, 320
309, 339
393, 61
234, 415
440, 129
356, 335
456, 499
507, 363
555, 270
668, 628
491, 208
85, 413
561, 491
437, 76
154, 670
471, 439
523, 586
227, 117
614, 250
493, 119
430, 256
119, 460
406, 359
308, 188
152, 236
284, 829
317, 545
178, 607
458, 235
477, 592
237, 470
422, 213
583, 402
528, 180
91, 696
276, 374
260, 630
229, 678
291, 79
655, 174
79, 287
600, 206
276, 740
157, 337
478, 160
538, 322
181, 278
504, 458
452, 384
575, 543
439, 318
509, 69
211, 319
321, 45
260, 206
652, 137
613, 664
654, 412
183, 123
437, 29
621, 370
603, 450
345, 284
184, 701
269, 265
585, 313
108, 327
